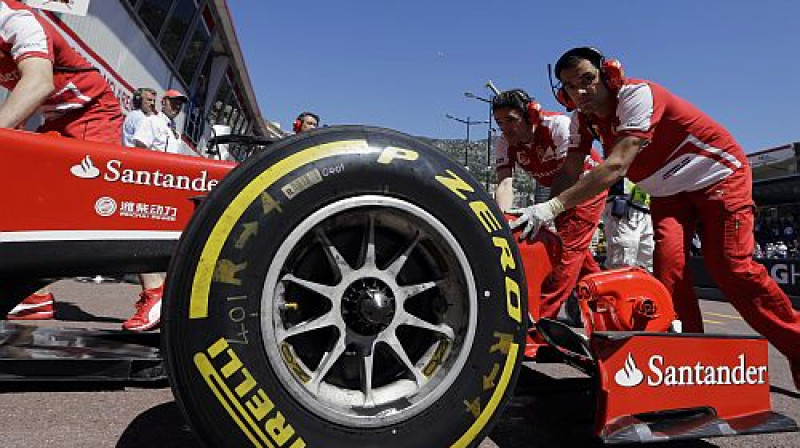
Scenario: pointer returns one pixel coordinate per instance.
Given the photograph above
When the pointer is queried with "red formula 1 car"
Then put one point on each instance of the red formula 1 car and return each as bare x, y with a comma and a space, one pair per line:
353, 286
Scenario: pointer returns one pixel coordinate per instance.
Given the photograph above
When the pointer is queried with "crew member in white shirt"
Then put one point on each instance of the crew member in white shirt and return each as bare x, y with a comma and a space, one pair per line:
144, 105
159, 132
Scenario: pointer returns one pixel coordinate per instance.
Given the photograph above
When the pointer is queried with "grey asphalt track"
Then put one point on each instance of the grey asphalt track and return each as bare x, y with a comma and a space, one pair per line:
550, 408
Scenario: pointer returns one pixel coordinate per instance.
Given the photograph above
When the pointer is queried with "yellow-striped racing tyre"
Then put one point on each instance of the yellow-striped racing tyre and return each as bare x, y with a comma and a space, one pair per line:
352, 287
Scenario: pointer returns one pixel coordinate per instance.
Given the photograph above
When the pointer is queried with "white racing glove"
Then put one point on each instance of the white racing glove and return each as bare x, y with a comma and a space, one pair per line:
535, 216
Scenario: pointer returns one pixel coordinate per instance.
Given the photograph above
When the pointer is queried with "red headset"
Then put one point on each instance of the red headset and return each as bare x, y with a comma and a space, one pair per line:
297, 126
519, 99
611, 72
534, 112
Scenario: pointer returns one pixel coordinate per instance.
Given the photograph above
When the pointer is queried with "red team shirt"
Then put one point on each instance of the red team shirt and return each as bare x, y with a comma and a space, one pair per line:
687, 150
546, 154
23, 34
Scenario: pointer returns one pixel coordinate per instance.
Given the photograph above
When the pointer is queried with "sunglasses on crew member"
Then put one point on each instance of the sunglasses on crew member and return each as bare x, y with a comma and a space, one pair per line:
176, 102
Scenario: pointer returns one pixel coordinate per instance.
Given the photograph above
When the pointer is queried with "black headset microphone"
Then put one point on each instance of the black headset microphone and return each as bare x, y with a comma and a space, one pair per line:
490, 85
136, 101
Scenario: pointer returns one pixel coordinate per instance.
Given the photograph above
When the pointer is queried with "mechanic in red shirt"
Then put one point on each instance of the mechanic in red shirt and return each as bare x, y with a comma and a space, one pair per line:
44, 74
537, 141
698, 178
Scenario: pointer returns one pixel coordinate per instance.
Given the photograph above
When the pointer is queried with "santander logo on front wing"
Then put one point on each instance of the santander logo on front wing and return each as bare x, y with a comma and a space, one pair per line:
660, 372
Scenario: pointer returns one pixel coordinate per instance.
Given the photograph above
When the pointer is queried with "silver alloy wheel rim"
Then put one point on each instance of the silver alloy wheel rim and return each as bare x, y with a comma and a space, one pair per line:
440, 349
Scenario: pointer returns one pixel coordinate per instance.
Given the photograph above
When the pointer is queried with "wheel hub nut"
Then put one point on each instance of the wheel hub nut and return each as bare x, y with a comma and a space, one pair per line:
368, 306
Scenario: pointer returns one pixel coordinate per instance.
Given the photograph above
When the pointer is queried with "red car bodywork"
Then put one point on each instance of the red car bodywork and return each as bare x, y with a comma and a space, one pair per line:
64, 200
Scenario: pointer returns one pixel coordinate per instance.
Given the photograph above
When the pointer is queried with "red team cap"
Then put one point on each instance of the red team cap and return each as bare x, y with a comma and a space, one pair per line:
172, 93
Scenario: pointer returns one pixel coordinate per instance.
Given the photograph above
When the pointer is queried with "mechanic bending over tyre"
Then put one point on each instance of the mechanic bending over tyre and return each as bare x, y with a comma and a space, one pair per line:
698, 178
627, 226
44, 74
536, 141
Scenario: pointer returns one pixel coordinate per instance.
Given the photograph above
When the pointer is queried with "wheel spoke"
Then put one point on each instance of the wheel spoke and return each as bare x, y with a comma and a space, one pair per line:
326, 320
319, 288
409, 291
400, 352
400, 261
336, 259
366, 378
328, 360
414, 321
369, 254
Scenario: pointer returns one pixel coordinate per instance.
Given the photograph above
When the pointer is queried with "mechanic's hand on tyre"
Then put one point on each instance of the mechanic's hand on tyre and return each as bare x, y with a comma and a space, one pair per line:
535, 216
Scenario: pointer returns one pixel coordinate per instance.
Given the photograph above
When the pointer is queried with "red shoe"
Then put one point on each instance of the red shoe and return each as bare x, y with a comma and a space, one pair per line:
34, 307
148, 311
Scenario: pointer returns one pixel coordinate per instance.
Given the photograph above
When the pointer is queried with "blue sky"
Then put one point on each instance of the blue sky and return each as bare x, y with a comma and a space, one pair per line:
405, 64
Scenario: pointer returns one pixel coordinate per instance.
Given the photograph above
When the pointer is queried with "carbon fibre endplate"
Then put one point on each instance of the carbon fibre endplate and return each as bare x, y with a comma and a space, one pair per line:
35, 354
691, 424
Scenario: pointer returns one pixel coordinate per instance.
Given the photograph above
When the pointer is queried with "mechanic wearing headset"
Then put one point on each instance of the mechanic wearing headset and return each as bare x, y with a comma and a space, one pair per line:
305, 121
44, 74
696, 174
537, 141
144, 105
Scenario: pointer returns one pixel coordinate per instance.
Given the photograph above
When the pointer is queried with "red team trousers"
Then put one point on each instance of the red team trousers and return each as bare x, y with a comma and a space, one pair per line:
576, 228
723, 216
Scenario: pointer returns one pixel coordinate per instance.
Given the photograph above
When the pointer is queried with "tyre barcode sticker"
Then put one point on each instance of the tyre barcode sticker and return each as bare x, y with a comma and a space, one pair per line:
303, 182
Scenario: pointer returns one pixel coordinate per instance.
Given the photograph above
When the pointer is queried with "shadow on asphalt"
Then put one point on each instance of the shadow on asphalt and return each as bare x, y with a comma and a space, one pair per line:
548, 412
68, 311
71, 386
162, 426
786, 392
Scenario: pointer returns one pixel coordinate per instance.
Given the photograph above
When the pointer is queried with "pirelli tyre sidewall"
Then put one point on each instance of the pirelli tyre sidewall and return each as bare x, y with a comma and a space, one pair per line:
343, 251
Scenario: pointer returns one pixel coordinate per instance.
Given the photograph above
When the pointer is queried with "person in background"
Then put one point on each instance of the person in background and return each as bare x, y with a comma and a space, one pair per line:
536, 141
157, 132
789, 230
696, 174
45, 75
628, 227
144, 105
305, 122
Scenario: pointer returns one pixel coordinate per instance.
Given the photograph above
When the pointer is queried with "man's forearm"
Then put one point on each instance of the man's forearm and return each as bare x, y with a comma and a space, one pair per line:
504, 195
563, 180
23, 101
601, 177
591, 184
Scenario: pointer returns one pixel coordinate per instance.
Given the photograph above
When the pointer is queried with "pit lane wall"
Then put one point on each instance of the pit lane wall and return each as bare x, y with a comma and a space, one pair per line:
785, 271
